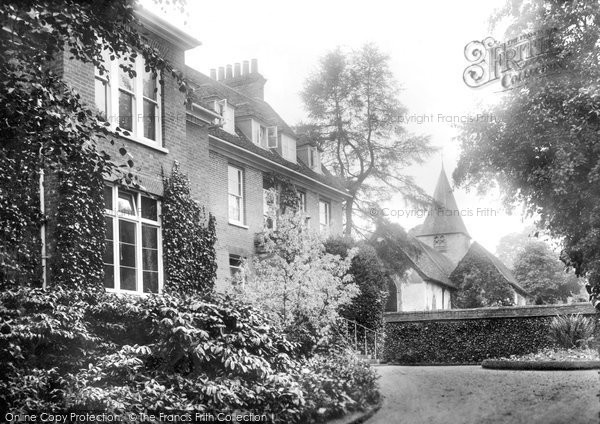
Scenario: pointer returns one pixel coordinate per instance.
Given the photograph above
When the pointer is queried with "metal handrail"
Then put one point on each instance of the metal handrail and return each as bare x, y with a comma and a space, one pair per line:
366, 344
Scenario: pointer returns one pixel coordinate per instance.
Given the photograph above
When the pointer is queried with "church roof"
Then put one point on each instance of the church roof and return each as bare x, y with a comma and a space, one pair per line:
431, 264
479, 250
444, 218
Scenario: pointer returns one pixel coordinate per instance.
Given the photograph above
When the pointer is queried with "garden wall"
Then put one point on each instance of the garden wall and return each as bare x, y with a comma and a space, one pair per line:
460, 336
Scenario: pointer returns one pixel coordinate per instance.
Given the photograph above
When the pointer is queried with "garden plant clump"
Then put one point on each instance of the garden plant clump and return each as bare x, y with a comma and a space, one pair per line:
550, 354
571, 347
572, 331
67, 350
571, 337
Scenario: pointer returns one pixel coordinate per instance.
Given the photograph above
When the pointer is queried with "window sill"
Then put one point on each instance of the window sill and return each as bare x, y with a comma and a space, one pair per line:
143, 142
238, 224
129, 293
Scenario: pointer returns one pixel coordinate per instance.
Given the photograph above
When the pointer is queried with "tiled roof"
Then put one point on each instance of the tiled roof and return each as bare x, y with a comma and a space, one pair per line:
431, 264
247, 106
240, 140
445, 217
244, 105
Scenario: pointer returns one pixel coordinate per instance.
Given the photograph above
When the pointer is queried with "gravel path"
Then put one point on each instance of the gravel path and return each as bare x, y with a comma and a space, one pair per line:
473, 395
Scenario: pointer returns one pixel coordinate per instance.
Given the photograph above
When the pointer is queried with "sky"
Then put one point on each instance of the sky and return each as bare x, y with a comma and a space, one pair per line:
425, 41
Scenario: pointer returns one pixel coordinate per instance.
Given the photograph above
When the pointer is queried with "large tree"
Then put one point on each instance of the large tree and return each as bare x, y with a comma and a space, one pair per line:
510, 245
45, 126
543, 147
539, 271
356, 116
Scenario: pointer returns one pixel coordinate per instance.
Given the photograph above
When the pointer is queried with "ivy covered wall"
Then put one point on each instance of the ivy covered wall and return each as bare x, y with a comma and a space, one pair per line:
189, 238
468, 336
79, 225
20, 216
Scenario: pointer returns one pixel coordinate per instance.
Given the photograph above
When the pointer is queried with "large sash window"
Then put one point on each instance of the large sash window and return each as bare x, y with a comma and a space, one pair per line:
132, 257
130, 103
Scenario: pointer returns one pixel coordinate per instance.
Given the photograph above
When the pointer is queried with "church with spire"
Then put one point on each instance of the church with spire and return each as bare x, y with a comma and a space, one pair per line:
443, 245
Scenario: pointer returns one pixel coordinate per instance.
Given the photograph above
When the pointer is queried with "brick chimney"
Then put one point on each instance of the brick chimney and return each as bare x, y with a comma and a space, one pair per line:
245, 78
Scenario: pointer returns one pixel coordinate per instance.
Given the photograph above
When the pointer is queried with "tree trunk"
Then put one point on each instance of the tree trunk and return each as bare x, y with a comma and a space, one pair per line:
349, 222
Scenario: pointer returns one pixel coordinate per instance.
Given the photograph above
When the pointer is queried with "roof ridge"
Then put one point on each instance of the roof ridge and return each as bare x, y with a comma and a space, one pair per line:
500, 266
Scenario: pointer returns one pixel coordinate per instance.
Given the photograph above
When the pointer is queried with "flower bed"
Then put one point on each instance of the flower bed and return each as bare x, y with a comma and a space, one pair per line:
558, 355
548, 359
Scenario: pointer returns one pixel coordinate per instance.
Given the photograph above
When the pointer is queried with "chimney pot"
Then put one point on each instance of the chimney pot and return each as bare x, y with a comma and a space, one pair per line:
254, 66
229, 73
237, 70
246, 69
213, 73
221, 73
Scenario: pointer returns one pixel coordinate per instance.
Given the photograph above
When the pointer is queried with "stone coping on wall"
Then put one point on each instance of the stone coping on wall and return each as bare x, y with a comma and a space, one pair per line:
583, 308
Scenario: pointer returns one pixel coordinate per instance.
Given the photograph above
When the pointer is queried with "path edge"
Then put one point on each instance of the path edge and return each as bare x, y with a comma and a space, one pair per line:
357, 417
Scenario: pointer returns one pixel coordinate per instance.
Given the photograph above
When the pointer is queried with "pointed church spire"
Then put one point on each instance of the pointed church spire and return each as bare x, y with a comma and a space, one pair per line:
444, 217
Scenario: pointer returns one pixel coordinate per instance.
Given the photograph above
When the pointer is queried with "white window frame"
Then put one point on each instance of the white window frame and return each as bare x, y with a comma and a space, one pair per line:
240, 195
272, 139
139, 222
238, 268
288, 148
325, 226
266, 137
112, 81
302, 200
104, 79
266, 194
220, 106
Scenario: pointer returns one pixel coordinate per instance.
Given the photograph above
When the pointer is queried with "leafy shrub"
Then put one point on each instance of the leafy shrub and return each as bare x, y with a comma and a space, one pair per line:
65, 350
335, 384
571, 331
479, 282
370, 275
297, 282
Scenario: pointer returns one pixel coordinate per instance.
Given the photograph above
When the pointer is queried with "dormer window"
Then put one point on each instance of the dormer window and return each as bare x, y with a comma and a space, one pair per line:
227, 112
314, 159
264, 136
272, 137
288, 148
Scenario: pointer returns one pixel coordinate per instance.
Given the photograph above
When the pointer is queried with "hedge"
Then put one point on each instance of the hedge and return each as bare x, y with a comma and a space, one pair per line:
464, 341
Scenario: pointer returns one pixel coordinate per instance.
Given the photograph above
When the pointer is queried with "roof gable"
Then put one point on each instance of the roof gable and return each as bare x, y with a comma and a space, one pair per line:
431, 264
481, 252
